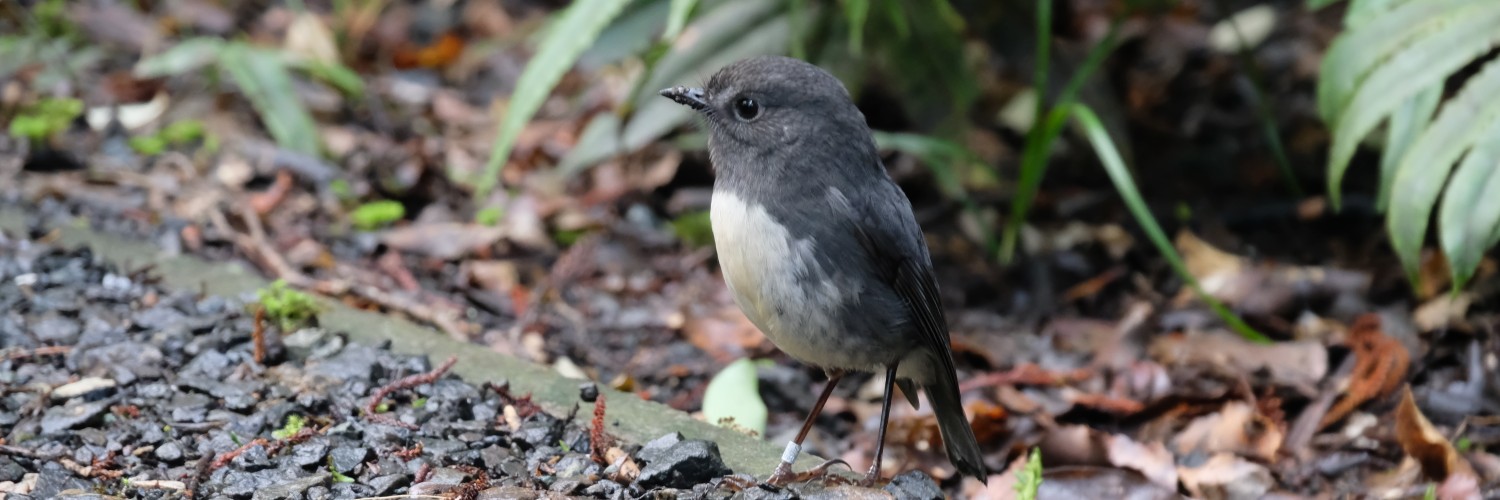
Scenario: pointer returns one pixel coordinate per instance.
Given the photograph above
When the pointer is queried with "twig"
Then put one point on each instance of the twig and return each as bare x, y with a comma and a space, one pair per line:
258, 336
225, 458
404, 383
50, 350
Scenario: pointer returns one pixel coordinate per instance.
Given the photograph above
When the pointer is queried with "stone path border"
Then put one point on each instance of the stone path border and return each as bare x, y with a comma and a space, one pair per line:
639, 420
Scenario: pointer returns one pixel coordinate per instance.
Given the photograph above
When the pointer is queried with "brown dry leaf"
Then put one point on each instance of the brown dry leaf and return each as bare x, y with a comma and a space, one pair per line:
1421, 441
1298, 364
309, 38
1442, 311
1459, 487
1101, 482
1225, 475
1432, 274
726, 334
499, 276
114, 23
1153, 460
1380, 364
1258, 288
988, 422
628, 470
442, 240
265, 201
1237, 428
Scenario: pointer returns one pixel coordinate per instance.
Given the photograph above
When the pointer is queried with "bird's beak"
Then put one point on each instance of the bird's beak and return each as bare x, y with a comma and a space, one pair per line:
690, 97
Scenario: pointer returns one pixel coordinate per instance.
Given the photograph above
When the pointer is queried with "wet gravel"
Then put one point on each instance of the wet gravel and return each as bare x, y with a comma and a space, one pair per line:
111, 386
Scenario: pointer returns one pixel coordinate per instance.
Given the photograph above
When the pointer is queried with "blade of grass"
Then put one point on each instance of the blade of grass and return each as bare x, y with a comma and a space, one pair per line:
576, 28
1262, 102
1043, 133
1115, 167
264, 78
677, 18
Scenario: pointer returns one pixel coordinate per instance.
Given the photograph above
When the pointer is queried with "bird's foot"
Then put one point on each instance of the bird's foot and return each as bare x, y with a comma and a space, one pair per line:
872, 478
783, 474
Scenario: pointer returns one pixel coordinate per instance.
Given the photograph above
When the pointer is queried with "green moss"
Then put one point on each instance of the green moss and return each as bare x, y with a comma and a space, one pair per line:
289, 308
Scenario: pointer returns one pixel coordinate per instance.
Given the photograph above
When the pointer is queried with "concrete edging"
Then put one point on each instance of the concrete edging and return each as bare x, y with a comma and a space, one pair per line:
638, 420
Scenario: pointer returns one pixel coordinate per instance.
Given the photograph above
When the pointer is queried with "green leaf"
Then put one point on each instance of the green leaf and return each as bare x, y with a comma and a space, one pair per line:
729, 33
576, 28
941, 157
1424, 170
149, 145
1470, 215
488, 216
1361, 48
377, 213
338, 477
1426, 62
183, 132
263, 77
1362, 11
1406, 123
734, 393
694, 229
677, 18
1115, 167
294, 424
186, 56
856, 12
337, 75
1029, 479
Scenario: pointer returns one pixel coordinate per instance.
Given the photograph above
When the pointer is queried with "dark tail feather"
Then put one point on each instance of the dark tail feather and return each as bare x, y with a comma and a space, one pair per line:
958, 436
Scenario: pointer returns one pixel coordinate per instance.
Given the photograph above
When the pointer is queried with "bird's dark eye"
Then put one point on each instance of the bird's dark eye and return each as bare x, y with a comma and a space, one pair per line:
746, 108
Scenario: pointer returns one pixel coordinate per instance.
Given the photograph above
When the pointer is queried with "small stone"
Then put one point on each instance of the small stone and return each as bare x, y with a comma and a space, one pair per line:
914, 484
73, 414
291, 488
388, 483
588, 391
652, 450
346, 458
169, 452
310, 453
684, 464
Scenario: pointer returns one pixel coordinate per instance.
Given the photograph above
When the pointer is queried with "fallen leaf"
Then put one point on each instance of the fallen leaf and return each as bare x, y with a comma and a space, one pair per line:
1152, 460
1224, 476
725, 334
1442, 311
1236, 428
309, 38
1422, 442
1380, 365
442, 240
1259, 288
1299, 364
1101, 482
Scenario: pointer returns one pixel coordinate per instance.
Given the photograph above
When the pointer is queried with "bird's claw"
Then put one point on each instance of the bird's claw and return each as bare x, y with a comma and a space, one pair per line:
783, 474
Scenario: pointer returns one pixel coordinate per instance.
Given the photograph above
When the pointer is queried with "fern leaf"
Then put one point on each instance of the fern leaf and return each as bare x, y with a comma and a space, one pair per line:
1425, 62
1424, 169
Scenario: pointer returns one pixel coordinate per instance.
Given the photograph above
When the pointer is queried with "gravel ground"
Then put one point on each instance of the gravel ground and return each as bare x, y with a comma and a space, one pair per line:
111, 386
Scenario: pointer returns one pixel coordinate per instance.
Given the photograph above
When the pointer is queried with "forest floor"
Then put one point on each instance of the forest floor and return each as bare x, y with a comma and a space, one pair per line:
1088, 348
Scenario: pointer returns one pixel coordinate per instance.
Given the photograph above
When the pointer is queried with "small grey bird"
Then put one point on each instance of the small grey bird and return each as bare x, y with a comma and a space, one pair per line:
819, 246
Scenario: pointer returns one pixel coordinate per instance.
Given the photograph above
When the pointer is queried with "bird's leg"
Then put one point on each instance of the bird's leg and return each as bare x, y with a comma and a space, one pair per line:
885, 417
783, 473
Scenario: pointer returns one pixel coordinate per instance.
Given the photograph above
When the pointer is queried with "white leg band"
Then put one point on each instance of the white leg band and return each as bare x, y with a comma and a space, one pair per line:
789, 455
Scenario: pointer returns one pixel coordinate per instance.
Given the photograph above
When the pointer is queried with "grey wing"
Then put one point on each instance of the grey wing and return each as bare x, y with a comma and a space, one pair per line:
890, 235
